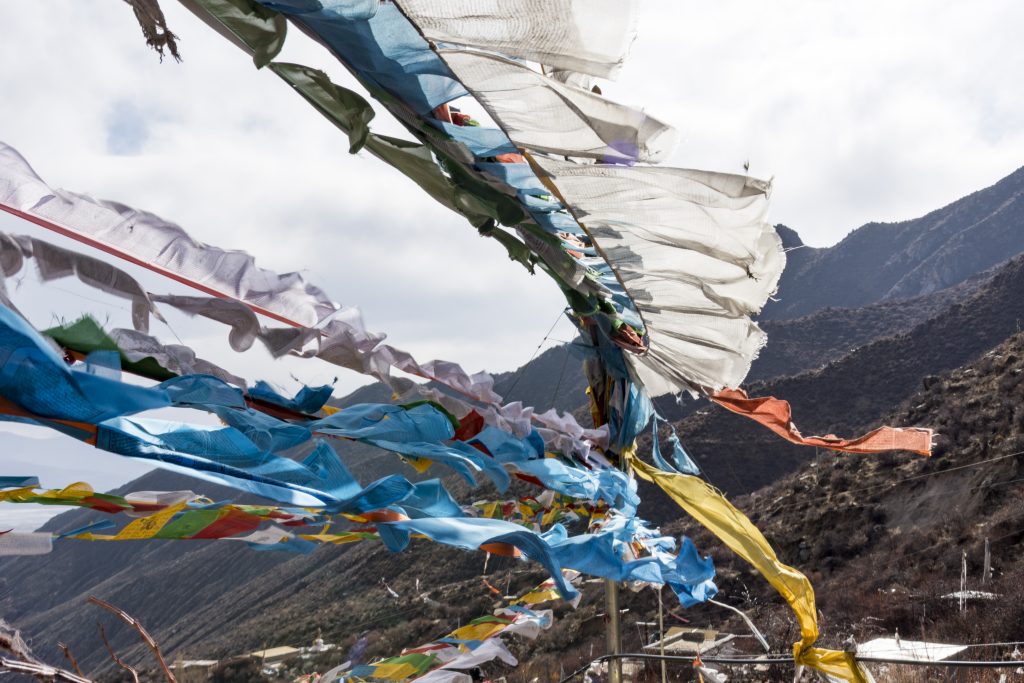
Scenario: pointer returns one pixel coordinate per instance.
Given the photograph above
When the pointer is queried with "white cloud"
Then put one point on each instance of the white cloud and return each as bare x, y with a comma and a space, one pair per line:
870, 111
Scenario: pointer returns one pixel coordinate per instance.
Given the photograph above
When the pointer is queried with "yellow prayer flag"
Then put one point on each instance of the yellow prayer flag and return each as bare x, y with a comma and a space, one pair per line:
709, 507
17, 494
395, 672
481, 631
148, 527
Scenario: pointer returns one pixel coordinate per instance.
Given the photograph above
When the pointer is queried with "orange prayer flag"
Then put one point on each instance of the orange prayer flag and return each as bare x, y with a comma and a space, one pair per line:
776, 415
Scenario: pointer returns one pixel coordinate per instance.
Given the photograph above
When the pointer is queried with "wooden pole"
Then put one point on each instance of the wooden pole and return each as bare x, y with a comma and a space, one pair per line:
614, 636
986, 574
661, 637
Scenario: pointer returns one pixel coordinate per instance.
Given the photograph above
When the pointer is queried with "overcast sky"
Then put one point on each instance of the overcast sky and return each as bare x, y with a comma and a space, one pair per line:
869, 111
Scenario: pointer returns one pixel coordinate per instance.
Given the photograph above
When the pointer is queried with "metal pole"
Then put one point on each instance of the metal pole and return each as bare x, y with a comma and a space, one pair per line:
661, 638
611, 598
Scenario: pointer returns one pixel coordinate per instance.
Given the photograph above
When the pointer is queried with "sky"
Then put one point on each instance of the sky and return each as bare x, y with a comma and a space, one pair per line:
869, 111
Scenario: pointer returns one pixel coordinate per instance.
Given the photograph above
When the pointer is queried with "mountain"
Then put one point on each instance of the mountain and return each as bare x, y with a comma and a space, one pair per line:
884, 538
852, 394
844, 359
889, 261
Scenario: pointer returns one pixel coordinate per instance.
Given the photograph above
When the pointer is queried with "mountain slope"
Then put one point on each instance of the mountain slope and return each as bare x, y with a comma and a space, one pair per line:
887, 261
882, 537
853, 393
843, 369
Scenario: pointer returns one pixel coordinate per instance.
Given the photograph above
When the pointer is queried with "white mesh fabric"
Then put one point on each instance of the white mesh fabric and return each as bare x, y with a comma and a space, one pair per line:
589, 36
695, 254
542, 114
154, 241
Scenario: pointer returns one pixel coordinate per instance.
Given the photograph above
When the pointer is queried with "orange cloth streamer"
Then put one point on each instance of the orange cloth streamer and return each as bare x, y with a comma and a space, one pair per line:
775, 414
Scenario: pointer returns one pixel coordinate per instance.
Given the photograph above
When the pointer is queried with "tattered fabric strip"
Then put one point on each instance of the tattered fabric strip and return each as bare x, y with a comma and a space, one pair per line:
588, 36
693, 251
153, 243
25, 543
140, 354
41, 388
476, 643
711, 509
776, 415
344, 341
544, 115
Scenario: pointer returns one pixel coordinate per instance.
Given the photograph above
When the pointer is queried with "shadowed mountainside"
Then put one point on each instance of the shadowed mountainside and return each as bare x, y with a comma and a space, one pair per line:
853, 393
888, 261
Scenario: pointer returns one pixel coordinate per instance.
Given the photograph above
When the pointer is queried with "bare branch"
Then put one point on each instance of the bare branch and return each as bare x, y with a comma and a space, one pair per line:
143, 633
41, 671
113, 655
71, 658
26, 662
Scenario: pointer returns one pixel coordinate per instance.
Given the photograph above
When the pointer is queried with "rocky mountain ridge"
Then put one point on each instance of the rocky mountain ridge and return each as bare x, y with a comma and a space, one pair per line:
892, 261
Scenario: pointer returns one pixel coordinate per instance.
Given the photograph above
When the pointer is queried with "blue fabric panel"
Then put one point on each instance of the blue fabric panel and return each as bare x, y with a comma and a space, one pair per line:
387, 422
691, 577
18, 482
335, 478
481, 141
308, 401
89, 528
268, 433
224, 455
104, 363
505, 447
385, 50
470, 534
683, 462
560, 478
637, 412
430, 499
291, 545
117, 441
202, 391
557, 221
494, 470
33, 376
519, 176
349, 10
464, 464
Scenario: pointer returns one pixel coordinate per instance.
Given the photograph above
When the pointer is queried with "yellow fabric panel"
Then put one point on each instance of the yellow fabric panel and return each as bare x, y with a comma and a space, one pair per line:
709, 507
337, 539
17, 494
833, 662
550, 516
147, 527
421, 465
395, 672
478, 631
537, 596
